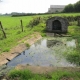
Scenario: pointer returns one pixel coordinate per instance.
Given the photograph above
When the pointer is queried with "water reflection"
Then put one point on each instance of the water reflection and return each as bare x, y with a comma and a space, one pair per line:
46, 52
71, 43
51, 43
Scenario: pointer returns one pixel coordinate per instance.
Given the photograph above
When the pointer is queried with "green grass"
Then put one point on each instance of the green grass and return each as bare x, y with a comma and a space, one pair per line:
74, 56
27, 45
75, 32
13, 31
12, 28
11, 22
56, 75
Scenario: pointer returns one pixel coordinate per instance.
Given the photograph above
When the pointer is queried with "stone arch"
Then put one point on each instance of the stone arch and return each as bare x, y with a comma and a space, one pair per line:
56, 25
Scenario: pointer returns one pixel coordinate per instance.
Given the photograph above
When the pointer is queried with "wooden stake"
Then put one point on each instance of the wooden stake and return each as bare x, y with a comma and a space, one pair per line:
21, 25
3, 30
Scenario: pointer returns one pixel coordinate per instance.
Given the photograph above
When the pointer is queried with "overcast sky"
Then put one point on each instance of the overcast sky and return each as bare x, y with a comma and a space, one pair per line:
30, 6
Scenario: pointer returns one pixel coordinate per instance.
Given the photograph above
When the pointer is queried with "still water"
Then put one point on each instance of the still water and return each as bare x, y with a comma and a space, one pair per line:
47, 52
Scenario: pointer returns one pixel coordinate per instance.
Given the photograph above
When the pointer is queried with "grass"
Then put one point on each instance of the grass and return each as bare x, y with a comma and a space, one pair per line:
56, 75
27, 45
74, 56
13, 31
75, 32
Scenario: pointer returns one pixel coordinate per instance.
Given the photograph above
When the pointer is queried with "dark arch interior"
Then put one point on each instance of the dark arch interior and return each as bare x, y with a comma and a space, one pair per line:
56, 25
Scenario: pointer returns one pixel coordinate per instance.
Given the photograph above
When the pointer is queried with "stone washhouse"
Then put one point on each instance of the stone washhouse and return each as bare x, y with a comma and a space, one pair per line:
57, 25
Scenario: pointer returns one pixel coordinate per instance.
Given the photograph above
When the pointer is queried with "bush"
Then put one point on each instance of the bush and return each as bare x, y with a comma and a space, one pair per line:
34, 22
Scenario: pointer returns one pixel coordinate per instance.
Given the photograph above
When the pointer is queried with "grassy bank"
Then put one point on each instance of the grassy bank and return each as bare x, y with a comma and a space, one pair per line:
13, 31
56, 75
74, 56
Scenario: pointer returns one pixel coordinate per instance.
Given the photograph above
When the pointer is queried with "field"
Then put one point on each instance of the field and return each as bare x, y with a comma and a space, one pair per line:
13, 31
12, 28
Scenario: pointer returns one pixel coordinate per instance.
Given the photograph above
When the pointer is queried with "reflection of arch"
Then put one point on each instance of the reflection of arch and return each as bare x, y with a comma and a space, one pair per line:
51, 43
56, 25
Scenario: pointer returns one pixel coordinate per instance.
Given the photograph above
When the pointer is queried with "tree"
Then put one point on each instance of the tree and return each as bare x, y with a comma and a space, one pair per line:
77, 6
69, 8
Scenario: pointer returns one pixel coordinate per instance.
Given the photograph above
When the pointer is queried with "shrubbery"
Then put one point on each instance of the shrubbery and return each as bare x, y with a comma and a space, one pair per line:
34, 22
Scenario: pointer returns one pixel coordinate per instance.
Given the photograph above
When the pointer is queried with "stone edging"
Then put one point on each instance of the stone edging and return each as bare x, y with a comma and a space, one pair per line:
7, 56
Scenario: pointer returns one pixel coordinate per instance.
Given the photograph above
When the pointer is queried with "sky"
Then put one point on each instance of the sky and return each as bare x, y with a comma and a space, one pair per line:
30, 6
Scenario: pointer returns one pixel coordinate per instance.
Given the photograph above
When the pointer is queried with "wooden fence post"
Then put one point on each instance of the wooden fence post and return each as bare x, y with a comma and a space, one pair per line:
21, 25
3, 30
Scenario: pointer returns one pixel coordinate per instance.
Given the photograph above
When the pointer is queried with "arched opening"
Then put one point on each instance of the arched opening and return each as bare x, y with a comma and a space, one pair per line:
56, 25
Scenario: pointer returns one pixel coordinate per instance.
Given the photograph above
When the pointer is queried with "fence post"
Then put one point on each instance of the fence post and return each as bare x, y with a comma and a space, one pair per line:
3, 30
21, 25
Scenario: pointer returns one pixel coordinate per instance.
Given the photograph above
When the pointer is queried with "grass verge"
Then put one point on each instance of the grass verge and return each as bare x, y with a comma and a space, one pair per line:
56, 75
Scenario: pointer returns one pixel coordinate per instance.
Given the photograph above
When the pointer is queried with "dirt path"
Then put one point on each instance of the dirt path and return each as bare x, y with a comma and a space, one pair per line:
5, 57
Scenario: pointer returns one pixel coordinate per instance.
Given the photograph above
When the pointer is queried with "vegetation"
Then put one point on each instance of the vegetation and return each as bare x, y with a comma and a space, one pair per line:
72, 7
34, 22
56, 75
76, 6
13, 31
27, 44
69, 8
74, 57
31, 24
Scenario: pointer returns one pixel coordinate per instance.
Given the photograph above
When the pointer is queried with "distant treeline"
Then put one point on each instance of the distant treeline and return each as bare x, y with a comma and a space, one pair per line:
27, 14
72, 7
